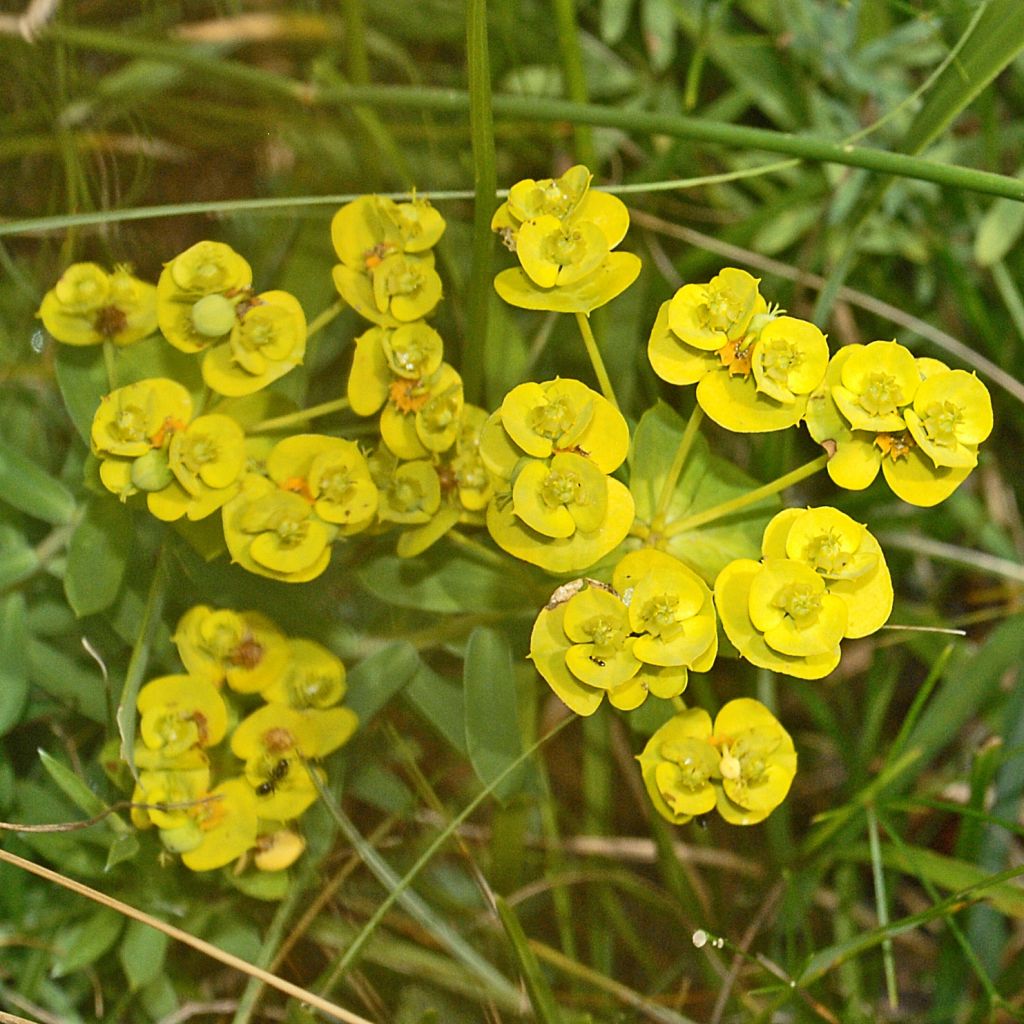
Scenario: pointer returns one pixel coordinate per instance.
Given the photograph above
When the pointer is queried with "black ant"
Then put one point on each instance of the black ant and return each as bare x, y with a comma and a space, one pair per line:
277, 773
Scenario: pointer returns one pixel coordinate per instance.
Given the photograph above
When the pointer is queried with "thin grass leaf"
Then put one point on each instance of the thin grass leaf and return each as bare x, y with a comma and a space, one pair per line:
541, 997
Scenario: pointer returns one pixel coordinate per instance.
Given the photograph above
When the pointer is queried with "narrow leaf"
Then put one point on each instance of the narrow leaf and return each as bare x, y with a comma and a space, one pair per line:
541, 997
493, 737
440, 703
142, 953
30, 489
13, 662
376, 679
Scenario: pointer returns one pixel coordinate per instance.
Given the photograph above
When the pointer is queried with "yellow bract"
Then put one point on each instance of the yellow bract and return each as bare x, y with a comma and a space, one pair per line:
179, 712
563, 235
200, 294
823, 577
589, 640
88, 306
743, 765
915, 419
754, 368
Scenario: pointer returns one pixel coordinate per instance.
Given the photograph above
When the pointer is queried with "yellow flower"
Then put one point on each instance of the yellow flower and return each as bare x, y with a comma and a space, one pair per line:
743, 766
583, 649
411, 495
275, 533
88, 306
670, 610
915, 419
367, 230
276, 851
200, 294
563, 235
207, 459
754, 368
244, 649
178, 712
423, 416
558, 415
227, 824
168, 786
844, 554
397, 290
314, 677
267, 340
276, 741
139, 417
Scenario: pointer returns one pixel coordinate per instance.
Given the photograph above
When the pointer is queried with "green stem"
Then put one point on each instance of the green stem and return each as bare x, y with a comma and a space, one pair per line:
668, 488
485, 182
882, 907
302, 416
127, 715
355, 41
110, 360
319, 322
538, 109
590, 344
745, 500
575, 78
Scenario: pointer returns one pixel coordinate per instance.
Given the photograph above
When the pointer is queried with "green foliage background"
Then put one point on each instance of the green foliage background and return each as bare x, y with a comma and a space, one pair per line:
863, 159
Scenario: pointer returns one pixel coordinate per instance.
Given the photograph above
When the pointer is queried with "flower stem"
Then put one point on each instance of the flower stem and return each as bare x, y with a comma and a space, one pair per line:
320, 321
675, 470
745, 500
110, 361
301, 416
590, 344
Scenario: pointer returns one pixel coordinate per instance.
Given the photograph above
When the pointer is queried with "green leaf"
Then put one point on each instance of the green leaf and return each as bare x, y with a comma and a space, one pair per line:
541, 997
493, 737
72, 786
615, 19
999, 230
995, 40
30, 489
13, 662
82, 379
97, 556
706, 481
142, 954
376, 679
124, 847
440, 580
440, 703
85, 942
18, 560
64, 678
270, 886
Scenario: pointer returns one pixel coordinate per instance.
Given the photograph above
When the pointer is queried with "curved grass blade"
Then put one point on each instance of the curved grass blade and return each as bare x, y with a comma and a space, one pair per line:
541, 997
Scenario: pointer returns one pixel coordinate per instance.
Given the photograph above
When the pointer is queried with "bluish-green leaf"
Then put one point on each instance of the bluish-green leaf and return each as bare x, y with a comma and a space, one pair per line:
13, 663
64, 678
493, 738
82, 378
440, 703
85, 942
30, 489
142, 954
72, 786
18, 559
706, 481
97, 556
376, 679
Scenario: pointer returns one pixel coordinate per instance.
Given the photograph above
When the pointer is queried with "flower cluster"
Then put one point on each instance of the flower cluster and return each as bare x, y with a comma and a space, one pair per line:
917, 420
638, 636
551, 448
754, 367
427, 468
563, 234
823, 578
741, 766
88, 306
274, 699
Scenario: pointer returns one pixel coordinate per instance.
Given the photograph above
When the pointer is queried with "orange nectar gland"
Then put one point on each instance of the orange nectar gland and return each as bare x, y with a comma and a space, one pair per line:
300, 486
248, 654
209, 813
408, 395
374, 256
896, 446
737, 356
277, 741
110, 321
164, 431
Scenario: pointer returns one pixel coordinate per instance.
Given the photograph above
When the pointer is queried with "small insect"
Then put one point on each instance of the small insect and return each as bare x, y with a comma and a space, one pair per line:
597, 661
277, 773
